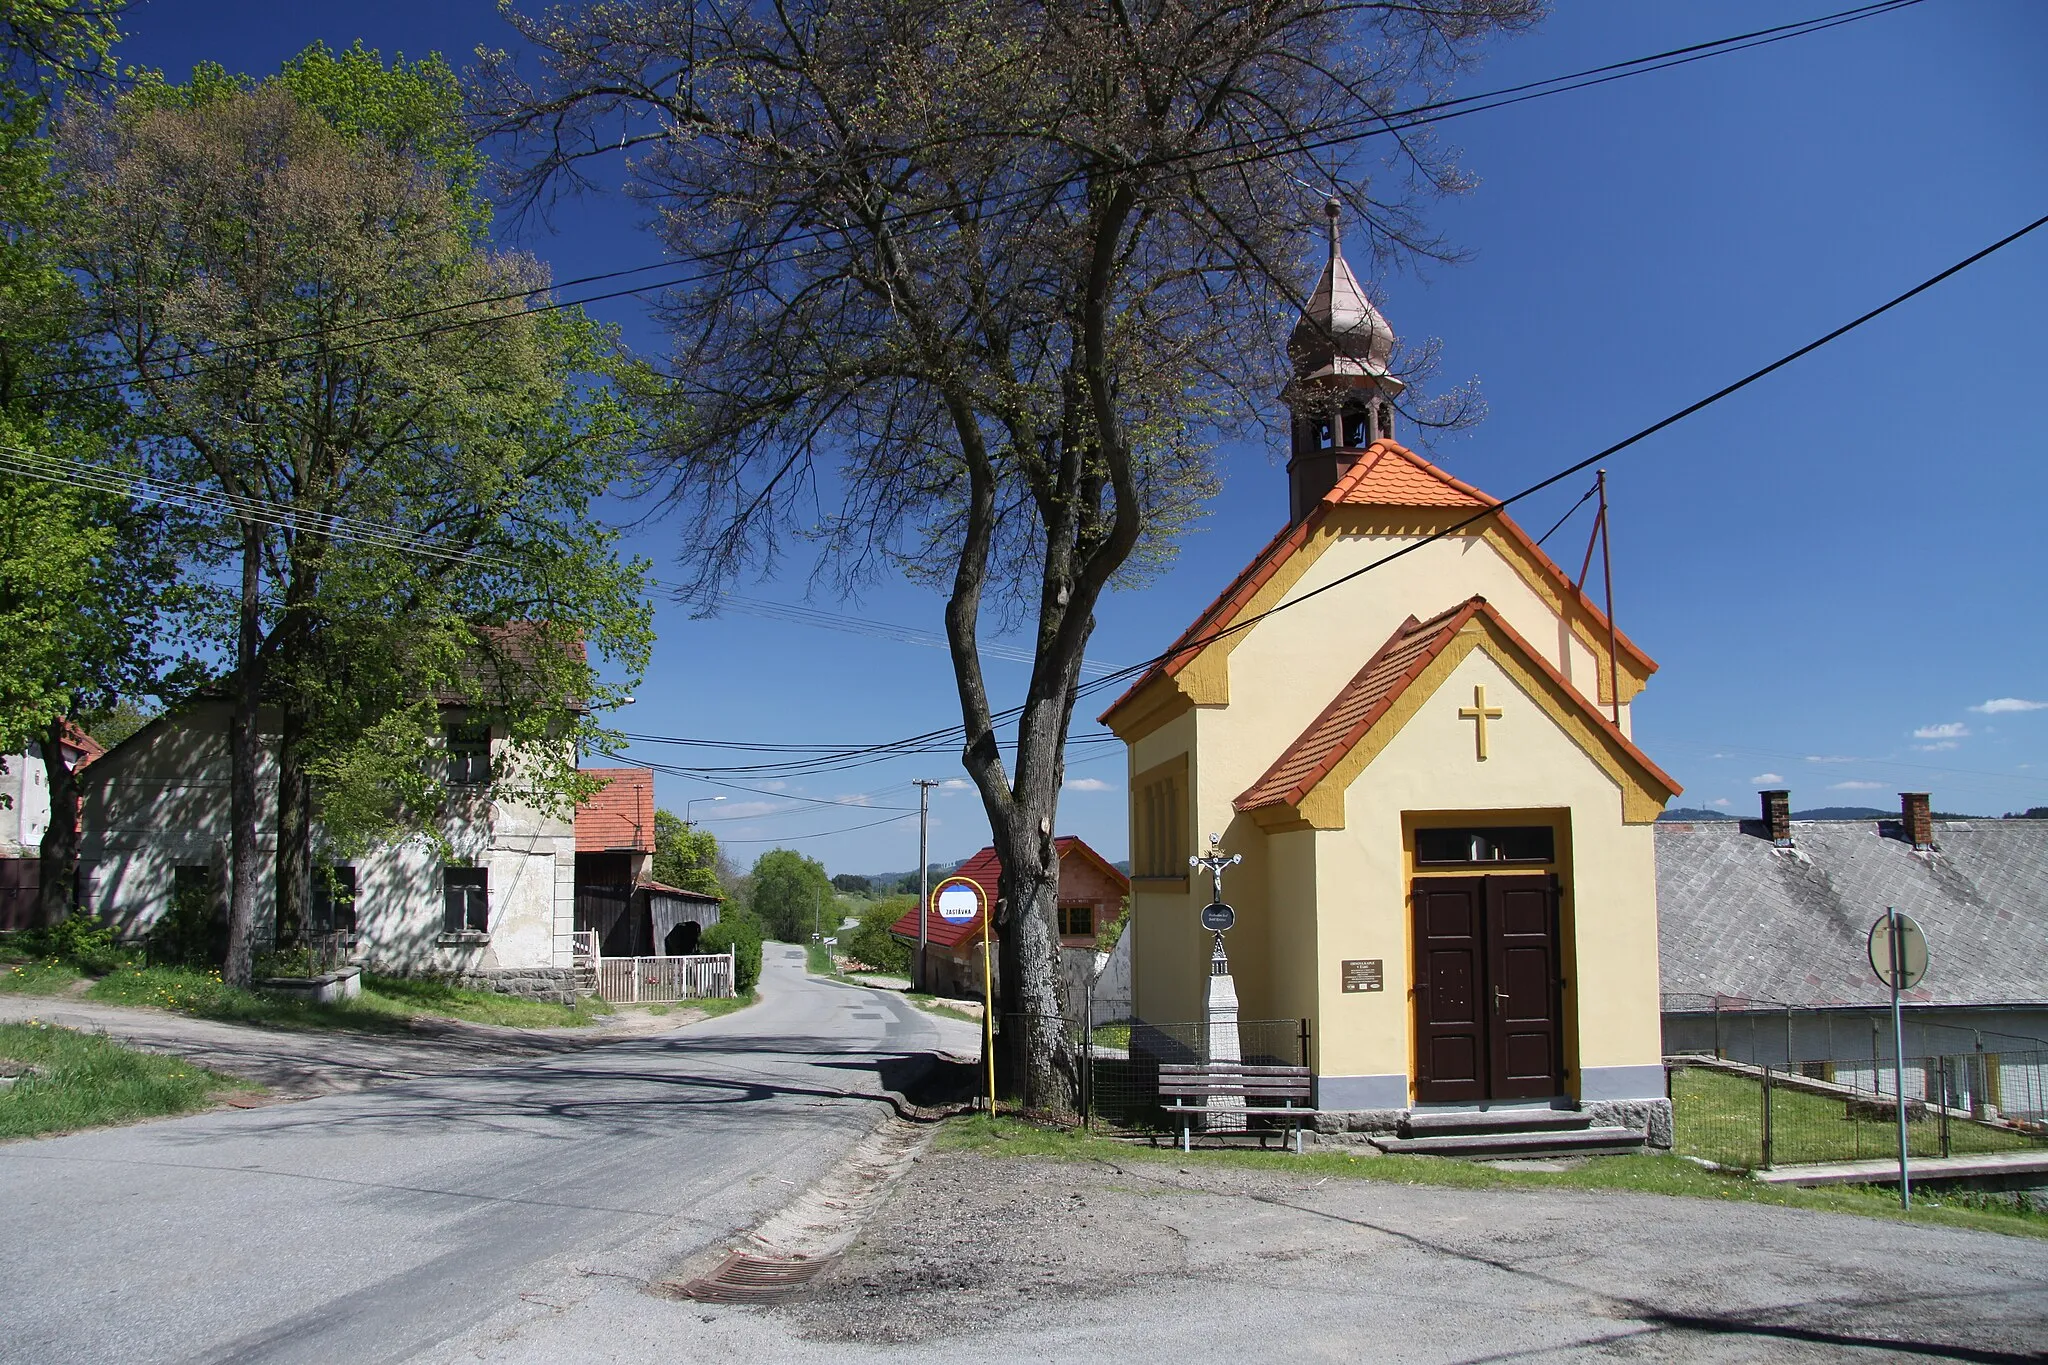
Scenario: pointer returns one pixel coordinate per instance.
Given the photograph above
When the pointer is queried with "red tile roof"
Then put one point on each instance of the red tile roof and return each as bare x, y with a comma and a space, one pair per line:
986, 869
1372, 692
1387, 475
621, 815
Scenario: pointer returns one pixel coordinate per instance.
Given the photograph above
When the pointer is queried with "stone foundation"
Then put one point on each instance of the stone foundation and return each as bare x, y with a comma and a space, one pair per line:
1652, 1116
550, 985
1331, 1122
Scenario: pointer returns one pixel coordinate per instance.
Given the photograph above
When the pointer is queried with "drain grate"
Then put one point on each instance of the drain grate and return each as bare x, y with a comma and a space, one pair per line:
746, 1278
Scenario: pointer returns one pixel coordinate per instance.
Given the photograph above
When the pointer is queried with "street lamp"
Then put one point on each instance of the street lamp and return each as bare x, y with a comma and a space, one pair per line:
692, 804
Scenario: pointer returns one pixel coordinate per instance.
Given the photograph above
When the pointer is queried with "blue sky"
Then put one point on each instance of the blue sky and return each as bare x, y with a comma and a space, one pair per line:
1837, 568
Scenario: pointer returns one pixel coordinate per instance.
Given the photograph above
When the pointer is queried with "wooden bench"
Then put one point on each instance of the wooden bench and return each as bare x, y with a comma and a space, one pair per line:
1268, 1092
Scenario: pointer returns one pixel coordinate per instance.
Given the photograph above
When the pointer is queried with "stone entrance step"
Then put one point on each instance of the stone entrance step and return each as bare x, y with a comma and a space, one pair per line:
1582, 1140
1451, 1122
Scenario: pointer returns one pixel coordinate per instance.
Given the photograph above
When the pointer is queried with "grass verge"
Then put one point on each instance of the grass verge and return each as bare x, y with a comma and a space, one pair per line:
81, 1080
1720, 1117
932, 1004
386, 1004
1665, 1175
818, 960
38, 976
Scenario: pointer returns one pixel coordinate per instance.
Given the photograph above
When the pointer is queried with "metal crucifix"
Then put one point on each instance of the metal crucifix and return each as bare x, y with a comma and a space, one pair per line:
1216, 915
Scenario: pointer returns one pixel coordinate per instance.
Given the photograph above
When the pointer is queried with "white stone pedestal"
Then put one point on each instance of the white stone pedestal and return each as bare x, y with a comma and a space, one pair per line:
1223, 1047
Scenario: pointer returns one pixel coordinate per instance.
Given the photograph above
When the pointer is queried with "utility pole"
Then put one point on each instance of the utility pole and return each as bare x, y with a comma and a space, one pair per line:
924, 879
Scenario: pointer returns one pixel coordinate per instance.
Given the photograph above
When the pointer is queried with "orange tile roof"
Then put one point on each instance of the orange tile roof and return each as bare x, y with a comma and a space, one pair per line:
620, 815
1372, 692
986, 869
1387, 475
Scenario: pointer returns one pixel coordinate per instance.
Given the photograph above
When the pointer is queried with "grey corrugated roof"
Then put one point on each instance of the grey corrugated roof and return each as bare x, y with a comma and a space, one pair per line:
1740, 918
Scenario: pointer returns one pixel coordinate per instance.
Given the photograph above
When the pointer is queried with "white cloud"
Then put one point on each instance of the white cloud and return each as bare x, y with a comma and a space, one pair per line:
1720, 800
1088, 784
1998, 706
1939, 746
1762, 778
953, 784
1830, 758
1857, 787
742, 810
1949, 729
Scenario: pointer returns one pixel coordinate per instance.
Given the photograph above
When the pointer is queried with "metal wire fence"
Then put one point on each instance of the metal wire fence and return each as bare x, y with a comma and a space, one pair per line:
1117, 1064
1748, 1115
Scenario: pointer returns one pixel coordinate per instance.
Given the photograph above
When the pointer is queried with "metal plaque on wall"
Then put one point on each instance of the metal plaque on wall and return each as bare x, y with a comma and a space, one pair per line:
1365, 974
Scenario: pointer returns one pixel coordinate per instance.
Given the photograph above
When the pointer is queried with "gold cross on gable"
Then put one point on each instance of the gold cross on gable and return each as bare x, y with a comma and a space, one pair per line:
1479, 711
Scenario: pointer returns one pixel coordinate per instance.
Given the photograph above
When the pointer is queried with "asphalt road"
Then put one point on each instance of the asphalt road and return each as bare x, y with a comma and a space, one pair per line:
374, 1226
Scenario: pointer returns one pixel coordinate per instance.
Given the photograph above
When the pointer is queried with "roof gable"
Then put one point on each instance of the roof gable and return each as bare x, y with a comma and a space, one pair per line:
1386, 478
1308, 780
620, 815
985, 869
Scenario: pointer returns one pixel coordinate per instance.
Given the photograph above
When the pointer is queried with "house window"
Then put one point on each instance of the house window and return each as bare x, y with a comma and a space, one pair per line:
469, 755
1518, 844
1077, 920
468, 905
1159, 816
334, 900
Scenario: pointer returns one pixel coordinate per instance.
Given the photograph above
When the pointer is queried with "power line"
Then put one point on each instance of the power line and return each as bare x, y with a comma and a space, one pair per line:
862, 753
1288, 144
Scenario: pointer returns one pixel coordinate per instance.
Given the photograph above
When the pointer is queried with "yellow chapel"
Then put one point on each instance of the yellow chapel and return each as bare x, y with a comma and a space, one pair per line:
1448, 867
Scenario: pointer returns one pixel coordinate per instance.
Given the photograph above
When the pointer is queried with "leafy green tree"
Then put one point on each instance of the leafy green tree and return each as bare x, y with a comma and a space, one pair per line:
685, 857
871, 943
738, 933
791, 895
83, 573
401, 506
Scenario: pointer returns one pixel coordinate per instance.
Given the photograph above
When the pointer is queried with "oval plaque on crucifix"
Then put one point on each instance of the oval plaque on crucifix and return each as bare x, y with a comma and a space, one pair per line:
1218, 918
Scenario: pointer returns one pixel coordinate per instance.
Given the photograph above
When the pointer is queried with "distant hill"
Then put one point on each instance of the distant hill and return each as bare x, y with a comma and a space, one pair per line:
1696, 813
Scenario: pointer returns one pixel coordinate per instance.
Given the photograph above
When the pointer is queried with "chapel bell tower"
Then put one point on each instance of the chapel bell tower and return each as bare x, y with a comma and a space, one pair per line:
1341, 397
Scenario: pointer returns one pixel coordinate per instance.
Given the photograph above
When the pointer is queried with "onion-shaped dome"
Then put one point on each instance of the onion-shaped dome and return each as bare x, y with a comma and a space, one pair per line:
1340, 332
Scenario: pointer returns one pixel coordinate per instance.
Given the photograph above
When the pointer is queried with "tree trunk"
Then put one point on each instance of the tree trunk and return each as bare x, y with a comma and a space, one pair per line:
58, 872
1039, 1051
294, 832
244, 752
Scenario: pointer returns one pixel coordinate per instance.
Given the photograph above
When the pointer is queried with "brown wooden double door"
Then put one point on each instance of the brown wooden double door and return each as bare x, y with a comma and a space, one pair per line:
1489, 1009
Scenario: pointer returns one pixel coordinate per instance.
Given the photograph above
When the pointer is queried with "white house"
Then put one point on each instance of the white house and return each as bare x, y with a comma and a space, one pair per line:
498, 909
24, 815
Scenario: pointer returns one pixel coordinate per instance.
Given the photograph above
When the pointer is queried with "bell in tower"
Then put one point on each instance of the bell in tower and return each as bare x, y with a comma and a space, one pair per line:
1342, 395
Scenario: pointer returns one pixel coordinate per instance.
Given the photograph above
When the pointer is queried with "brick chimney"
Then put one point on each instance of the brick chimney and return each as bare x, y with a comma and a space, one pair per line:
1917, 820
1778, 817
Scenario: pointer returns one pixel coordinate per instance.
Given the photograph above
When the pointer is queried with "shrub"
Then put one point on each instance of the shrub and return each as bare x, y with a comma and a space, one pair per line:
871, 943
79, 941
736, 933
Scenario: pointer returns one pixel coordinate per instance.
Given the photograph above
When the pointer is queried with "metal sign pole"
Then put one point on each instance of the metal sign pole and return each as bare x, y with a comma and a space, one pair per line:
1898, 956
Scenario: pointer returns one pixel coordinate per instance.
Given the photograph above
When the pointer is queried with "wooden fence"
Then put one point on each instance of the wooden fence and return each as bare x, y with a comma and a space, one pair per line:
659, 980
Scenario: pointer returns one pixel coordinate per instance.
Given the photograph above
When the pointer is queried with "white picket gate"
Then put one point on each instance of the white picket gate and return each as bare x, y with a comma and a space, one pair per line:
660, 980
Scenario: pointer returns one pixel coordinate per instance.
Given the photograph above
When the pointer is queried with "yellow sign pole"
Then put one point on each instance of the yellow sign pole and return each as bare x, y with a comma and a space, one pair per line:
988, 1000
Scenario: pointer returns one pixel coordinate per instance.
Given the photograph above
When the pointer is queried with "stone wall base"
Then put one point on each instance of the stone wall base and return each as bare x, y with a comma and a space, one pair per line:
551, 985
1331, 1122
1652, 1116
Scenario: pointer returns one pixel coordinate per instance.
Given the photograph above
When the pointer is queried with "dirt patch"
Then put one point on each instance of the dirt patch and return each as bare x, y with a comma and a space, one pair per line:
965, 1240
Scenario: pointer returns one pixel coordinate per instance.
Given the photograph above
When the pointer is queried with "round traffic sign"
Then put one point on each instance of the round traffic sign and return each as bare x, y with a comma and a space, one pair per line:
1218, 917
1912, 951
958, 901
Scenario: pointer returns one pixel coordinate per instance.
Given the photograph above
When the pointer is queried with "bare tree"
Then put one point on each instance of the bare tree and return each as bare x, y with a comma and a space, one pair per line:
981, 286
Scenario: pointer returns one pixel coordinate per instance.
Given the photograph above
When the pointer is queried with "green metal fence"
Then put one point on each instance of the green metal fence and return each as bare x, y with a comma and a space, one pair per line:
1750, 1116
